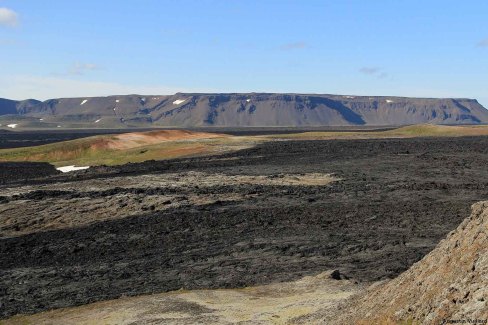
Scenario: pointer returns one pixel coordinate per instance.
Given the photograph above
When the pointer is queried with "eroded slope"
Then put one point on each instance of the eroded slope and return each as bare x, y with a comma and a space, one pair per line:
450, 283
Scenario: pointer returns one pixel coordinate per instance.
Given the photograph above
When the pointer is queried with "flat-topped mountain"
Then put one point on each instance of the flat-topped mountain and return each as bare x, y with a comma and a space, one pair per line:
243, 110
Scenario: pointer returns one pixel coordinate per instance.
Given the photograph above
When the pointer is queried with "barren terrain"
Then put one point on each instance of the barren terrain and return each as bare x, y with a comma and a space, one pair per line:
279, 303
245, 218
450, 284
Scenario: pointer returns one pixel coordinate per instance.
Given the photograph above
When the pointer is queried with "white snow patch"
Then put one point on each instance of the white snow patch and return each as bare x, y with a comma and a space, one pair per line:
66, 169
117, 100
115, 108
248, 100
97, 121
143, 99
41, 119
12, 126
179, 101
59, 126
83, 102
349, 97
389, 101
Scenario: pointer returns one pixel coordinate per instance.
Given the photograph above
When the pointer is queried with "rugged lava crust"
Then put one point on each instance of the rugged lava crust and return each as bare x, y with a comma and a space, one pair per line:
394, 201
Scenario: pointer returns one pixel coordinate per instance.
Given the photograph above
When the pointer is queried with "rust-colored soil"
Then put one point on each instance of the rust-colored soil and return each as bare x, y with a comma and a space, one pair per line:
139, 139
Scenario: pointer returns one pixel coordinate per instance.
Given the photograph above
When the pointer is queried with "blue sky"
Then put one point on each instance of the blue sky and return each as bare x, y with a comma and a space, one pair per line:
85, 48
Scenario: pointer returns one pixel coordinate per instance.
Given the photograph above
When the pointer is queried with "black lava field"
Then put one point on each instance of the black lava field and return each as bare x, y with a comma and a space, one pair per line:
394, 200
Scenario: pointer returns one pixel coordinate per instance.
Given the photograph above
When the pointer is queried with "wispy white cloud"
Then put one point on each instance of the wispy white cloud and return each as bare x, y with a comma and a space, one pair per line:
369, 70
38, 87
374, 71
8, 17
483, 43
294, 46
79, 68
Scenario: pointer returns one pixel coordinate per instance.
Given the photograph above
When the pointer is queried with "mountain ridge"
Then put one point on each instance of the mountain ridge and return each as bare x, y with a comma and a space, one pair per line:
241, 110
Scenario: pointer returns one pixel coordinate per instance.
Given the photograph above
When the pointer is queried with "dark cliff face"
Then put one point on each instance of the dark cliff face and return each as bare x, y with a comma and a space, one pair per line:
253, 109
8, 106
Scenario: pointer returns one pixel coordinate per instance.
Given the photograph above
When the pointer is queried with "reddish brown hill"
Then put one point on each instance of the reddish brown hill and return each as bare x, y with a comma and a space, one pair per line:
138, 139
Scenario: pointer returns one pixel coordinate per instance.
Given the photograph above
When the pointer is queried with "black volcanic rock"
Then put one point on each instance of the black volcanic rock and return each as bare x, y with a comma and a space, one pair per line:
252, 109
20, 171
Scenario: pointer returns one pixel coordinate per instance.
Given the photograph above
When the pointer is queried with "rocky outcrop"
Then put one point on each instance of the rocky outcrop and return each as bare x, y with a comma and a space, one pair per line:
251, 109
449, 284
